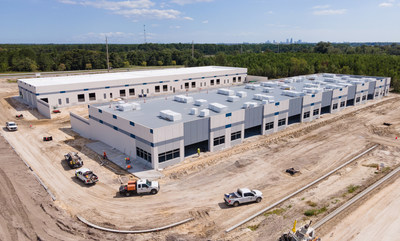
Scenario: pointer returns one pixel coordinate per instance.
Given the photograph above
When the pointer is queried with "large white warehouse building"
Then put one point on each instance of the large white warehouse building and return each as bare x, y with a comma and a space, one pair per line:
162, 131
49, 93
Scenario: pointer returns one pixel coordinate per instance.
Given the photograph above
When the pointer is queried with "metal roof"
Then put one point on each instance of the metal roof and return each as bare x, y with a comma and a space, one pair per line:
132, 75
149, 113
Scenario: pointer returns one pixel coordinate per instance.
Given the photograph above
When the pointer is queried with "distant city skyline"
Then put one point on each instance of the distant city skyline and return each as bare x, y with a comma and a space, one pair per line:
201, 21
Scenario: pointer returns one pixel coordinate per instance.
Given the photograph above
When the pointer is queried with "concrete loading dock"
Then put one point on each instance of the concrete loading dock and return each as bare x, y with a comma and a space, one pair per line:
161, 132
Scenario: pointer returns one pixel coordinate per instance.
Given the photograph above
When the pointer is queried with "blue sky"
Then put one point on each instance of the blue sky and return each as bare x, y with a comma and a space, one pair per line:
201, 21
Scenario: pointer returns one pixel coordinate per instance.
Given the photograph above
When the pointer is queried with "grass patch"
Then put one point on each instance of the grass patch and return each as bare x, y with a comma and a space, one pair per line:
313, 212
253, 227
352, 188
277, 211
311, 204
386, 169
11, 80
335, 201
374, 165
302, 199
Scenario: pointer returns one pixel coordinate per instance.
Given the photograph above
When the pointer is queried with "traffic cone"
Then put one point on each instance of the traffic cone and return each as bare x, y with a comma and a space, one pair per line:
396, 137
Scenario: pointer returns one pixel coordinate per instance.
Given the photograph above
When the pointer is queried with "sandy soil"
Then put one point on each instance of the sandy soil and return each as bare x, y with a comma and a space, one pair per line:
195, 188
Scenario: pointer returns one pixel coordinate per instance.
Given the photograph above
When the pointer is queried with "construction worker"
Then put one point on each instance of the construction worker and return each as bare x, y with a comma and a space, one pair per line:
198, 151
104, 155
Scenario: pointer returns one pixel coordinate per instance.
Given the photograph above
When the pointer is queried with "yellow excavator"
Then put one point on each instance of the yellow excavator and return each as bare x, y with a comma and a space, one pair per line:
305, 233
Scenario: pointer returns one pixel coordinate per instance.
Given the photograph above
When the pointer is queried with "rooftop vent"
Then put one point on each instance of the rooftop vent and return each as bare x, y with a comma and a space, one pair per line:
183, 98
252, 86
268, 90
200, 102
170, 115
226, 92
292, 93
128, 106
311, 90
247, 105
345, 77
217, 107
233, 98
332, 87
287, 81
262, 97
194, 111
312, 77
330, 80
328, 75
264, 102
287, 87
309, 85
241, 94
204, 113
269, 84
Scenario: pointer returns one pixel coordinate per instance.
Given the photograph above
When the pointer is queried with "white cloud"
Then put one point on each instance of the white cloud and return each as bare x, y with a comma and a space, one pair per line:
100, 37
188, 18
321, 6
184, 2
386, 5
270, 12
150, 13
330, 12
205, 21
175, 27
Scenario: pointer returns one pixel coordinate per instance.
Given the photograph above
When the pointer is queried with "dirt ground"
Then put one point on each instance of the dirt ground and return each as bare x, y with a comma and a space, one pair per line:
195, 187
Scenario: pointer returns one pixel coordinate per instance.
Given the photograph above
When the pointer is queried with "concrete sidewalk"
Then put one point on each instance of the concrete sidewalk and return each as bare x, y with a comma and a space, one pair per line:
139, 169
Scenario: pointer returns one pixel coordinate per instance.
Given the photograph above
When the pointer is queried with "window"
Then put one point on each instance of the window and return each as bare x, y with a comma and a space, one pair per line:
92, 96
281, 122
306, 115
157, 88
219, 140
131, 123
218, 82
110, 95
212, 82
357, 99
316, 112
376, 94
334, 107
59, 101
269, 126
193, 84
234, 79
105, 96
122, 93
131, 91
205, 84
228, 114
364, 97
67, 100
81, 98
114, 116
47, 100
342, 104
169, 155
236, 135
147, 91
143, 154
165, 88
239, 79
187, 85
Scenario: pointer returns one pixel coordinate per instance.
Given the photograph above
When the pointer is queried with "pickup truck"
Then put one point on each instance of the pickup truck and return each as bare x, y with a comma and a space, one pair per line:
242, 195
86, 175
11, 126
141, 186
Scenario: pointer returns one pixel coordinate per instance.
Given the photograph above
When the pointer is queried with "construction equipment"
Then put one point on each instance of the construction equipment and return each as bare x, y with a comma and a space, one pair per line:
305, 233
19, 116
292, 171
47, 138
73, 160
141, 186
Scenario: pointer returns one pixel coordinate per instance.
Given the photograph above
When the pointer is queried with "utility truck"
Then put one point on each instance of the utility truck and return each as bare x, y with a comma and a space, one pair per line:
142, 186
86, 175
73, 160
242, 195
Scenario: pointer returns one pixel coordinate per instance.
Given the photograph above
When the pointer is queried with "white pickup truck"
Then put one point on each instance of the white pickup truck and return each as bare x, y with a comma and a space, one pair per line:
242, 195
11, 126
86, 175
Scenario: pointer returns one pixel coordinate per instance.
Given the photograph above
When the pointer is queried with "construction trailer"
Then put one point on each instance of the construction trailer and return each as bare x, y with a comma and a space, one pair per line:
162, 131
47, 94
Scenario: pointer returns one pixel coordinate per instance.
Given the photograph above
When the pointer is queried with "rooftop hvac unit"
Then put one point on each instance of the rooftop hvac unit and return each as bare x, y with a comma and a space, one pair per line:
287, 81
299, 79
183, 98
269, 84
332, 87
194, 111
345, 77
241, 94
311, 90
264, 102
310, 85
268, 90
217, 107
200, 102
262, 97
287, 87
330, 80
128, 106
251, 86
292, 93
312, 77
170, 115
247, 105
328, 75
204, 113
226, 92
233, 98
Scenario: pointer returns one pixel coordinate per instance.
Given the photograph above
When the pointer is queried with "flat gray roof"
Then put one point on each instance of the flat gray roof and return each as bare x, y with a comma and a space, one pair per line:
149, 115
89, 78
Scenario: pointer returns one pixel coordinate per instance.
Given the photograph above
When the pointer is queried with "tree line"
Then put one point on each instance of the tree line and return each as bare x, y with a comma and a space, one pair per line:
272, 60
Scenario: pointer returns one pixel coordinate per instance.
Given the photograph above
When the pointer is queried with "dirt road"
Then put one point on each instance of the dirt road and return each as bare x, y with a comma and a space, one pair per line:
196, 187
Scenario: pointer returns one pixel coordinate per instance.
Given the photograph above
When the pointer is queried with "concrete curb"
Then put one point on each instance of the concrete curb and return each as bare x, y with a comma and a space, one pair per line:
132, 231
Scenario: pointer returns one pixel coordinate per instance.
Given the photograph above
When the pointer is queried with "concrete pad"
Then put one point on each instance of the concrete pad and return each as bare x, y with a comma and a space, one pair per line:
139, 169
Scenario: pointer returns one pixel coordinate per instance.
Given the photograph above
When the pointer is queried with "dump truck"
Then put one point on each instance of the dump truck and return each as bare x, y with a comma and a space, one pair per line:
86, 175
11, 126
73, 160
242, 195
142, 186
305, 233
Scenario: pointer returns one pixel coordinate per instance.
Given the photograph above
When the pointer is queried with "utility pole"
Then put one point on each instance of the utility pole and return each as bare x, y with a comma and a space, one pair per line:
192, 49
241, 49
108, 60
144, 33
